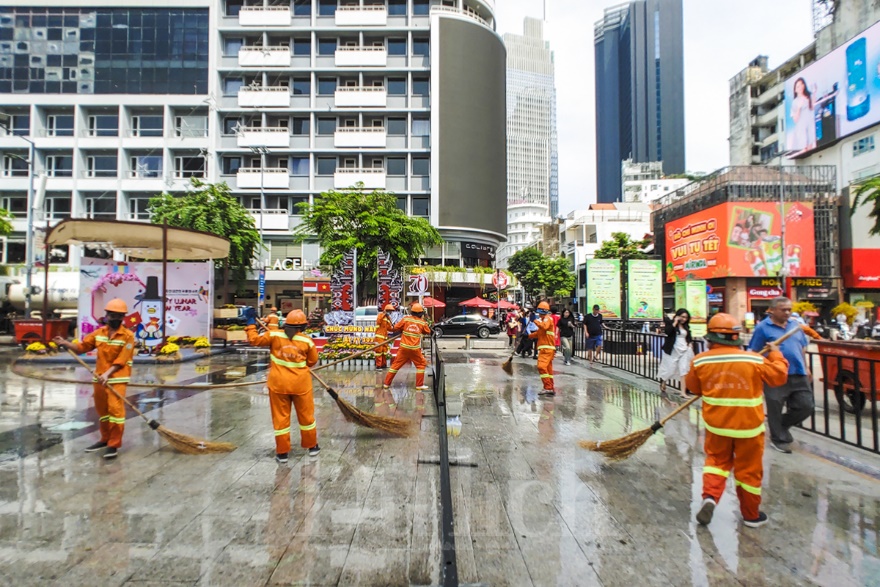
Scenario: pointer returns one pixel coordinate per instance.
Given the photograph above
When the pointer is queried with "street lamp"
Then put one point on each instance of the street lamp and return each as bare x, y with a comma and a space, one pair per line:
263, 151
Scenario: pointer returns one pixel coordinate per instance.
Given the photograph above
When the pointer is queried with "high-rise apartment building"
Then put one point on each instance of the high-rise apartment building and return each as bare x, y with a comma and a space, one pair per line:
532, 152
281, 99
639, 90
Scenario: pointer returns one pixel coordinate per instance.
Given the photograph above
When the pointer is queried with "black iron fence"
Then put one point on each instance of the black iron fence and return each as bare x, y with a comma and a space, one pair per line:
846, 380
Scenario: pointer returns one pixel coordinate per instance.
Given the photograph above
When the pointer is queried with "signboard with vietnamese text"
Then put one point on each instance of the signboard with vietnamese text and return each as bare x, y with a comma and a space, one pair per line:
644, 289
603, 286
741, 240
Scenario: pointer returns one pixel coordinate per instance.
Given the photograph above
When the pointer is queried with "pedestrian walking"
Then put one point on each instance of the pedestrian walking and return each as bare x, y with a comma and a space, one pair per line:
794, 396
272, 320
566, 326
115, 345
593, 328
675, 362
527, 326
291, 353
545, 334
413, 328
383, 325
512, 329
730, 380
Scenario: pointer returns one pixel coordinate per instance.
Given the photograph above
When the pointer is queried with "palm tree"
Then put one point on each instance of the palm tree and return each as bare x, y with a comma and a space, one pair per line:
869, 193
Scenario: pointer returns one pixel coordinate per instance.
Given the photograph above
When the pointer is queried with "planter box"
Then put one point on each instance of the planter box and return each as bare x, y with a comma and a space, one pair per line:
229, 335
225, 312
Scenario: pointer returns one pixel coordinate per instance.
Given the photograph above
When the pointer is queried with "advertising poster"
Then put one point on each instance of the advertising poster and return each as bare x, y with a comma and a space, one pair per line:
692, 295
644, 290
603, 286
188, 311
741, 240
834, 97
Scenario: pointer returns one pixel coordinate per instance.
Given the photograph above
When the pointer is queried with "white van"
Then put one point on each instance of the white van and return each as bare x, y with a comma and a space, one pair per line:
366, 315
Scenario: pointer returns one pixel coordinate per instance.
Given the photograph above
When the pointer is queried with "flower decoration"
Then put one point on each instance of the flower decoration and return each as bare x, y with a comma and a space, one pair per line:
202, 343
169, 349
36, 347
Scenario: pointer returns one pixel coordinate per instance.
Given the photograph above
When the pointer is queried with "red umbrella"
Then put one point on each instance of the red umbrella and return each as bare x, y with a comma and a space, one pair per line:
476, 303
430, 302
505, 305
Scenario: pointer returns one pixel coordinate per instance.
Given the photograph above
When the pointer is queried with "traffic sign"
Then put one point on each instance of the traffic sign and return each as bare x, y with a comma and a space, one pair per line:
500, 280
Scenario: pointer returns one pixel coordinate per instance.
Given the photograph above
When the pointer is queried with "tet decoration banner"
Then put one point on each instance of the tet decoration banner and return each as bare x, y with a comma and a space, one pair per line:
390, 284
644, 292
603, 286
692, 296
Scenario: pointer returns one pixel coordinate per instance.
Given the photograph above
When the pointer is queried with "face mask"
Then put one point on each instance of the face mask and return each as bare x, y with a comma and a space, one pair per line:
114, 323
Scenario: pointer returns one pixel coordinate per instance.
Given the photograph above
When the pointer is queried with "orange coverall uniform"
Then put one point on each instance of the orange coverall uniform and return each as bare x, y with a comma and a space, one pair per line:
112, 350
546, 335
731, 383
290, 382
410, 348
272, 322
383, 325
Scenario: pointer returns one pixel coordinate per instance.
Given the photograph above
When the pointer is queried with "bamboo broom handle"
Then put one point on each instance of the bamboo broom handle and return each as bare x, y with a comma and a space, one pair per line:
108, 386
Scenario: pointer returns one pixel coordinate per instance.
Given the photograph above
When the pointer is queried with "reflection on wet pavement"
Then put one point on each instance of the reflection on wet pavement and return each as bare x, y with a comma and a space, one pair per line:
536, 509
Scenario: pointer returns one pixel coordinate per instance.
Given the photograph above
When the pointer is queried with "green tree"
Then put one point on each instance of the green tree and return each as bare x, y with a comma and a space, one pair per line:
554, 276
868, 193
622, 247
365, 220
6, 218
526, 265
211, 208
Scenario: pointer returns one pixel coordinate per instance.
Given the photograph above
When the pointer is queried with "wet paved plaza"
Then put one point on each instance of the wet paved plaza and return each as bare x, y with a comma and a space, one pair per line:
530, 506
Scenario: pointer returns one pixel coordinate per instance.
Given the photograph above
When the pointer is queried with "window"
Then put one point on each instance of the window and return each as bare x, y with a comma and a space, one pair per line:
397, 86
421, 206
147, 125
421, 86
231, 124
421, 166
101, 166
397, 46
326, 7
326, 165
231, 85
233, 7
231, 45
421, 46
421, 127
101, 207
144, 166
349, 163
191, 126
326, 86
59, 165
421, 7
302, 47
326, 126
396, 7
20, 125
299, 166
302, 86
396, 166
14, 204
230, 165
401, 203
138, 208
15, 166
300, 126
57, 206
59, 125
326, 46
302, 7
189, 167
863, 145
15, 252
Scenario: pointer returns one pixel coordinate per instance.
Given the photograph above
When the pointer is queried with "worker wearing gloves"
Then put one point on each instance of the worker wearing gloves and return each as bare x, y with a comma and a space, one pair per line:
291, 353
731, 383
383, 325
115, 345
413, 328
272, 319
546, 338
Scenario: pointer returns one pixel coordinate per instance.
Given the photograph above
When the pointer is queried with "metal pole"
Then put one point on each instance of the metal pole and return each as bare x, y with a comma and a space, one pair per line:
164, 277
262, 213
29, 237
783, 282
46, 285
354, 281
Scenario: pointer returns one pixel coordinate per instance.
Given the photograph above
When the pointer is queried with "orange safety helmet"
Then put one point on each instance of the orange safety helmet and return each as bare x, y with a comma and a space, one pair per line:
116, 305
724, 329
417, 308
389, 307
273, 309
296, 317
544, 306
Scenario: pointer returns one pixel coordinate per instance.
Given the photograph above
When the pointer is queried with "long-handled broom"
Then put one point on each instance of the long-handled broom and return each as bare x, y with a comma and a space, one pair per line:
183, 443
508, 364
619, 449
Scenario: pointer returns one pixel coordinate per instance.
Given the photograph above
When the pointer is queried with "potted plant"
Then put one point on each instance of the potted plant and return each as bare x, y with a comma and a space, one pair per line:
169, 352
202, 345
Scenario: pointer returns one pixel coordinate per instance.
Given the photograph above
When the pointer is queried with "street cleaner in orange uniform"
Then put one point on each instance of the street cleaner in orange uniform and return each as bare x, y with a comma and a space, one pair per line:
272, 321
291, 353
413, 328
731, 383
546, 335
115, 345
383, 325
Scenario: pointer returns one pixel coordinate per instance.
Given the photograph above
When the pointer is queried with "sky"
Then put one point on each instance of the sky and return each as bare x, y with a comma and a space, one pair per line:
720, 38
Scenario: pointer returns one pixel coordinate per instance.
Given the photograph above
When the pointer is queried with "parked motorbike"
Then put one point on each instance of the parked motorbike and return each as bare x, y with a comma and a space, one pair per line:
875, 332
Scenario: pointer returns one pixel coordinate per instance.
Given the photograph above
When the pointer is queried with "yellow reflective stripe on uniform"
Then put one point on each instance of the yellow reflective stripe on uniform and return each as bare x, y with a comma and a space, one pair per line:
311, 426
101, 339
546, 376
280, 432
116, 420
116, 342
733, 402
729, 359
392, 370
732, 433
104, 418
409, 346
749, 488
277, 333
379, 336
290, 364
119, 380
304, 339
716, 471
129, 363
420, 370
546, 346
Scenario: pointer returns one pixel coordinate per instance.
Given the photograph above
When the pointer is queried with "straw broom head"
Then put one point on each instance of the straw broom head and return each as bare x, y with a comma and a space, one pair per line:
189, 444
391, 426
619, 449
508, 365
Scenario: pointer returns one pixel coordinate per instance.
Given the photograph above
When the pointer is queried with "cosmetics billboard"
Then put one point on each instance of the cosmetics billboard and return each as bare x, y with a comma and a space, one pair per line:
835, 96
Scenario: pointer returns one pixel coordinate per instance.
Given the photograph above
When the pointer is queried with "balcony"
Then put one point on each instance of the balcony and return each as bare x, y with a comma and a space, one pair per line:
354, 96
264, 97
272, 16
361, 16
264, 57
272, 220
373, 179
445, 10
354, 137
269, 178
264, 137
361, 57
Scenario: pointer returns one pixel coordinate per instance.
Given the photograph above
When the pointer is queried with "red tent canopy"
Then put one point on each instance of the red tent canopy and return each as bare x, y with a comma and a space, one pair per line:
505, 305
476, 303
430, 302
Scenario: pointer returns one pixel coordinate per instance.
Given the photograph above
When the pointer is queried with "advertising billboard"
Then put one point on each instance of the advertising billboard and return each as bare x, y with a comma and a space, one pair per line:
835, 96
603, 286
692, 295
644, 290
741, 239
